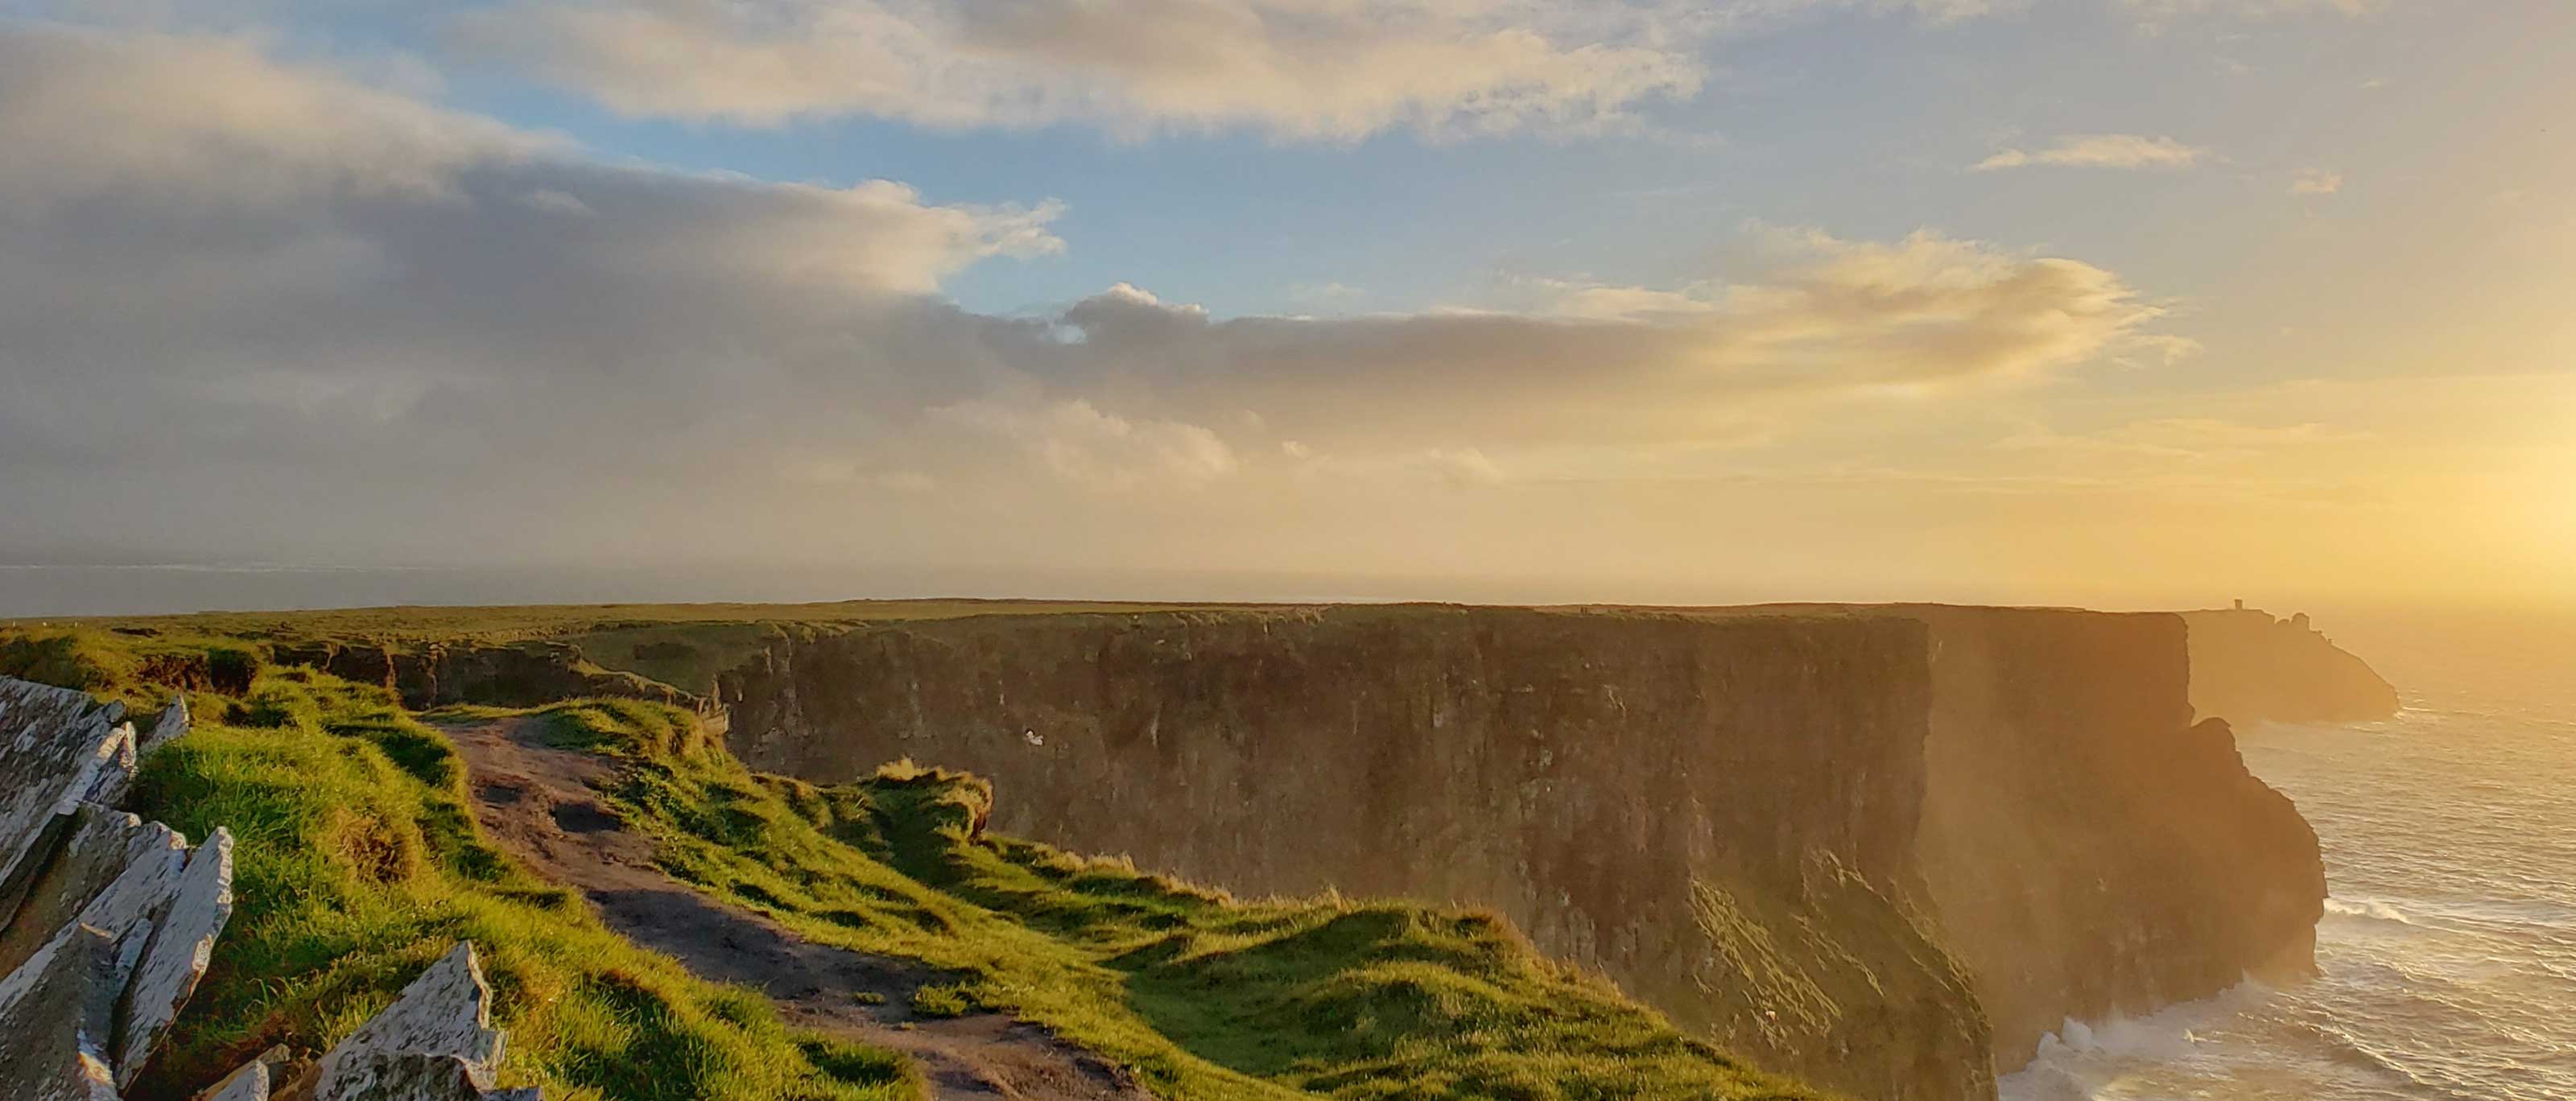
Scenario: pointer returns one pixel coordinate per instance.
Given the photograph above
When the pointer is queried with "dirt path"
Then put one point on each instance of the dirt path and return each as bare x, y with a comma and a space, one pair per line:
540, 804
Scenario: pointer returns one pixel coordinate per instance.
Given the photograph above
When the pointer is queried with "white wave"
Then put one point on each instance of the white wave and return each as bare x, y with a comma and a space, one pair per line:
2368, 908
2070, 1061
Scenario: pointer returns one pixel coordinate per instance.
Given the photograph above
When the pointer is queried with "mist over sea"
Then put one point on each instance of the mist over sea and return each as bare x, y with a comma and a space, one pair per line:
2448, 948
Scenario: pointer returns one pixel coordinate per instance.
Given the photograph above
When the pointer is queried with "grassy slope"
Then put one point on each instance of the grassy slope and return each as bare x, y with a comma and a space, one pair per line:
1202, 995
359, 863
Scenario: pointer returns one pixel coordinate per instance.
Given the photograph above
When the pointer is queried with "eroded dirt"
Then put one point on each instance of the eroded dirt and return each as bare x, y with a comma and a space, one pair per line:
541, 804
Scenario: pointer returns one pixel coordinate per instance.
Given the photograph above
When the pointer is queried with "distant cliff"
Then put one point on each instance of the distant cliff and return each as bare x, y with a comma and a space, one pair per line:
1875, 847
437, 674
2249, 667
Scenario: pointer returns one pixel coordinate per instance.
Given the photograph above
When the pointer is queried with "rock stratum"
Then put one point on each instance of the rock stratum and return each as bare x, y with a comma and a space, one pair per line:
1883, 849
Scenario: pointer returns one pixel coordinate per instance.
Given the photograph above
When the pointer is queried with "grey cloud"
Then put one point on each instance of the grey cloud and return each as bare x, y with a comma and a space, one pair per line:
273, 304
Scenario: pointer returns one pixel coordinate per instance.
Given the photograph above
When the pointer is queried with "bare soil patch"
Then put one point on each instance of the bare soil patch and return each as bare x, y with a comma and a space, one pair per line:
542, 804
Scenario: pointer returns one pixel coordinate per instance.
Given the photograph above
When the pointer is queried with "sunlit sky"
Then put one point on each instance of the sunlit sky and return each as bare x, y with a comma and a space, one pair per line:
2120, 302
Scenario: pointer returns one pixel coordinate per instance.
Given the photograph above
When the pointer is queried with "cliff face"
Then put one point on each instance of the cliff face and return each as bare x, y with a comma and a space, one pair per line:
2090, 852
2249, 667
1840, 840
1720, 815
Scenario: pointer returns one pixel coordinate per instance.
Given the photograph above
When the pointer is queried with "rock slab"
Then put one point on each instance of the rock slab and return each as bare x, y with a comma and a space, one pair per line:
107, 922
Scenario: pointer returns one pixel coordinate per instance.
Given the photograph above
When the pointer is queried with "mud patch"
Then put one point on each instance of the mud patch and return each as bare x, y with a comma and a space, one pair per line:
585, 818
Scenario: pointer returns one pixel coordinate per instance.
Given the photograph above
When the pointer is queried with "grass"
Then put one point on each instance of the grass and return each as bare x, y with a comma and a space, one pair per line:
680, 645
357, 864
1200, 994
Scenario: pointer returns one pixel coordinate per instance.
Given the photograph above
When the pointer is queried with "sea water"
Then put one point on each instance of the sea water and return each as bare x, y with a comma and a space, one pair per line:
2447, 954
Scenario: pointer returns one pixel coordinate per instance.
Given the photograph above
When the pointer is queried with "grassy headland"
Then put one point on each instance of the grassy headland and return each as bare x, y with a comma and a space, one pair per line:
359, 861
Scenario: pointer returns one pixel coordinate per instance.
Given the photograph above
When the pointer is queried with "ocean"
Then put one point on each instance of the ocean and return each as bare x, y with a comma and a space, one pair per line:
2448, 950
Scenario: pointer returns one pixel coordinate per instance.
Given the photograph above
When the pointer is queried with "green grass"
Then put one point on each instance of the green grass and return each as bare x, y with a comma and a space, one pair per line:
1202, 995
357, 864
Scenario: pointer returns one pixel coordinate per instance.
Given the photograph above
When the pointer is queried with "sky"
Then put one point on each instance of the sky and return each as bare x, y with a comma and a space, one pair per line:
2108, 302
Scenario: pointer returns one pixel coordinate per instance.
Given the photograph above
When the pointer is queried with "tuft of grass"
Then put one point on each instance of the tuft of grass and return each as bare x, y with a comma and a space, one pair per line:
943, 1000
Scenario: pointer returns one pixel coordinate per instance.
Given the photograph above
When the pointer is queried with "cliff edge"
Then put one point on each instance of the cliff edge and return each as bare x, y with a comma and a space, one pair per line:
2249, 667
1880, 848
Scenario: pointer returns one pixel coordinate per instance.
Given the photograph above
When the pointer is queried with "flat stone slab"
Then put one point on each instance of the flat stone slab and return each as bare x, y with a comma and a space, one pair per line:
57, 1011
96, 849
183, 942
106, 922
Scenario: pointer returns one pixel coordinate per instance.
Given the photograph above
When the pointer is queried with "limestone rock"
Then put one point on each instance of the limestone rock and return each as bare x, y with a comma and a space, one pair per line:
182, 944
115, 774
56, 1012
100, 845
56, 745
106, 922
166, 729
435, 1043
250, 1083
254, 1081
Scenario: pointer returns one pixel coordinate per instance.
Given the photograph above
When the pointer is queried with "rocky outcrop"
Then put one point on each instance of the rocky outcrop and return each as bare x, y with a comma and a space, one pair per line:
434, 1043
2249, 667
437, 674
2090, 852
1873, 847
111, 920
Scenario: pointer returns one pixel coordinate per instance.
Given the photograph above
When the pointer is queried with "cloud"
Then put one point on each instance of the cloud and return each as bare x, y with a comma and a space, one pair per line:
1077, 442
2100, 151
284, 312
2186, 440
1292, 69
2316, 181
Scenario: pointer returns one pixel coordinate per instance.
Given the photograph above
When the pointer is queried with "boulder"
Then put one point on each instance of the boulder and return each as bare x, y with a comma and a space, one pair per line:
435, 1043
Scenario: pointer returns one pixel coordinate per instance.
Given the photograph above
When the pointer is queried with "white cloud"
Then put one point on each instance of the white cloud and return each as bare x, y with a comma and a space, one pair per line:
1074, 440
1302, 69
2100, 151
2316, 181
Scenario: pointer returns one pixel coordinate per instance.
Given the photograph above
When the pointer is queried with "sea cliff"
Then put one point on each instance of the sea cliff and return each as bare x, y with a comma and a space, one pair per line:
1880, 848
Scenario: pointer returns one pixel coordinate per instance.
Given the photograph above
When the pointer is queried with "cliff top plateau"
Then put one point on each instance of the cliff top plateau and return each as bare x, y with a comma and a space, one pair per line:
1367, 851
